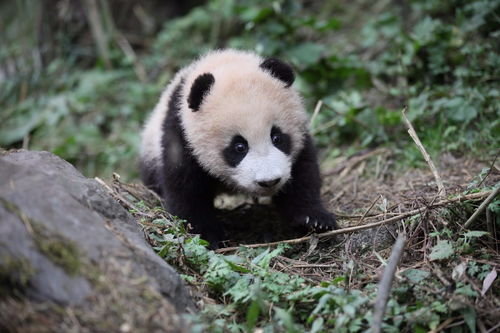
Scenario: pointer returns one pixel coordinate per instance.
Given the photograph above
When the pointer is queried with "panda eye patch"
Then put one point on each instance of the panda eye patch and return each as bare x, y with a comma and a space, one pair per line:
281, 140
237, 149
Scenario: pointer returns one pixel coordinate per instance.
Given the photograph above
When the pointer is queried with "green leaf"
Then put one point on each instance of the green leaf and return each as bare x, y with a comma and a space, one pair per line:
317, 325
339, 279
416, 275
258, 258
494, 207
236, 267
470, 318
475, 233
305, 54
252, 315
164, 250
442, 250
286, 319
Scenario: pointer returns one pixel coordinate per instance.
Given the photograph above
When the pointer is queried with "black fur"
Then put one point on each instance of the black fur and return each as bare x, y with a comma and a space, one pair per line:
200, 88
187, 190
231, 155
299, 201
279, 70
284, 142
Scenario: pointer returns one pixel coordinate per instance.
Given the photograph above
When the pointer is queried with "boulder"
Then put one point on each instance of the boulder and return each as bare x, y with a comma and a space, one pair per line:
71, 257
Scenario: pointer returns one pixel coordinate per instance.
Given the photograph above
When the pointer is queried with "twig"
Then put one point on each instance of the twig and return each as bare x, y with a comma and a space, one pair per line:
442, 325
337, 196
489, 170
315, 114
369, 209
313, 266
384, 287
474, 196
490, 226
124, 44
354, 161
493, 328
119, 197
427, 158
483, 206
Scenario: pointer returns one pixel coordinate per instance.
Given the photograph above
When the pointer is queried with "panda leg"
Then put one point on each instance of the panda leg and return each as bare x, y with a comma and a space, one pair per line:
299, 202
190, 196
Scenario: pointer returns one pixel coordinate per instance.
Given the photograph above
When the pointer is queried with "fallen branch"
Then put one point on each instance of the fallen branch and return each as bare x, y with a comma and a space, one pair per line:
483, 206
474, 196
427, 158
385, 284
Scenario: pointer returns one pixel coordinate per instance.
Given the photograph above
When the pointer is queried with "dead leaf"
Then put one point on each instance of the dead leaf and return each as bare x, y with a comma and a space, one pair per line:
488, 281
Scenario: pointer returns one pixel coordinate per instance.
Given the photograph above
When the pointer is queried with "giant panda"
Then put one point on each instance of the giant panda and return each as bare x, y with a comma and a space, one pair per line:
231, 121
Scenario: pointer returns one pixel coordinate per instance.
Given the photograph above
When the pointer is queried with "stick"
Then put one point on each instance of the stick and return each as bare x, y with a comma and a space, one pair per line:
474, 196
442, 325
489, 170
427, 158
369, 209
493, 328
124, 44
354, 160
315, 114
483, 206
384, 287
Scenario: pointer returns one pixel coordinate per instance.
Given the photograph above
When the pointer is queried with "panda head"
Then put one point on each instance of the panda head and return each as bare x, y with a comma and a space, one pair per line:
243, 121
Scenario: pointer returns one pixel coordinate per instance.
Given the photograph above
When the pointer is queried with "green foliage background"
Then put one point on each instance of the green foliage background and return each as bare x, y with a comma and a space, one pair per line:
364, 59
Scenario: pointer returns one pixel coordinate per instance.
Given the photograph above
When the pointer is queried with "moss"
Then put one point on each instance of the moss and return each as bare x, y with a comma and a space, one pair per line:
58, 249
15, 274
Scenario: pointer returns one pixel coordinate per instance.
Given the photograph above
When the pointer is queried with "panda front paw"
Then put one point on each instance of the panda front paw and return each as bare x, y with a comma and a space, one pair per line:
213, 234
319, 220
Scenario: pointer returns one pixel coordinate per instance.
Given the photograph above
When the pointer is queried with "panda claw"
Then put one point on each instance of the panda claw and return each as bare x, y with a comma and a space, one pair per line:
315, 224
307, 219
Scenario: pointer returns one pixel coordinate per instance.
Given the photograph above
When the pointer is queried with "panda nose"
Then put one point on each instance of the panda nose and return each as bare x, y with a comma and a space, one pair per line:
269, 183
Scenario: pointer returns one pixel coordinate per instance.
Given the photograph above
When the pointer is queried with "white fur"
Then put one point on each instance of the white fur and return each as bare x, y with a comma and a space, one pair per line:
244, 100
151, 148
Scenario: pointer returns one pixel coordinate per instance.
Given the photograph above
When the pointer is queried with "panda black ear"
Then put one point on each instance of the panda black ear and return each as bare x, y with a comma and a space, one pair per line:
200, 88
279, 70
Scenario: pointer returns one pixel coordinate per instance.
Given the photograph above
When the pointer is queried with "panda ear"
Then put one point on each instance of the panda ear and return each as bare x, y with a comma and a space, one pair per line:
200, 88
279, 70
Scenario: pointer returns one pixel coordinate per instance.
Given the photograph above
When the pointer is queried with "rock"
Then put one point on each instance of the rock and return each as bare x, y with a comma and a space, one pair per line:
70, 255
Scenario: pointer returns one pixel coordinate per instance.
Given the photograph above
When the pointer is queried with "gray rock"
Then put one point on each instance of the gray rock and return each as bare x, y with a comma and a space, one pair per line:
64, 240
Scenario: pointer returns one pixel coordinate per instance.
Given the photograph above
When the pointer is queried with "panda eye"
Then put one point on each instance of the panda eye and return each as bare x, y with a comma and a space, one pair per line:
240, 147
276, 138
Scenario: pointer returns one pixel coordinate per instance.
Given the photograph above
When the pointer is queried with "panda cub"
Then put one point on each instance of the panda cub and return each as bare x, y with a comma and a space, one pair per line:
229, 122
